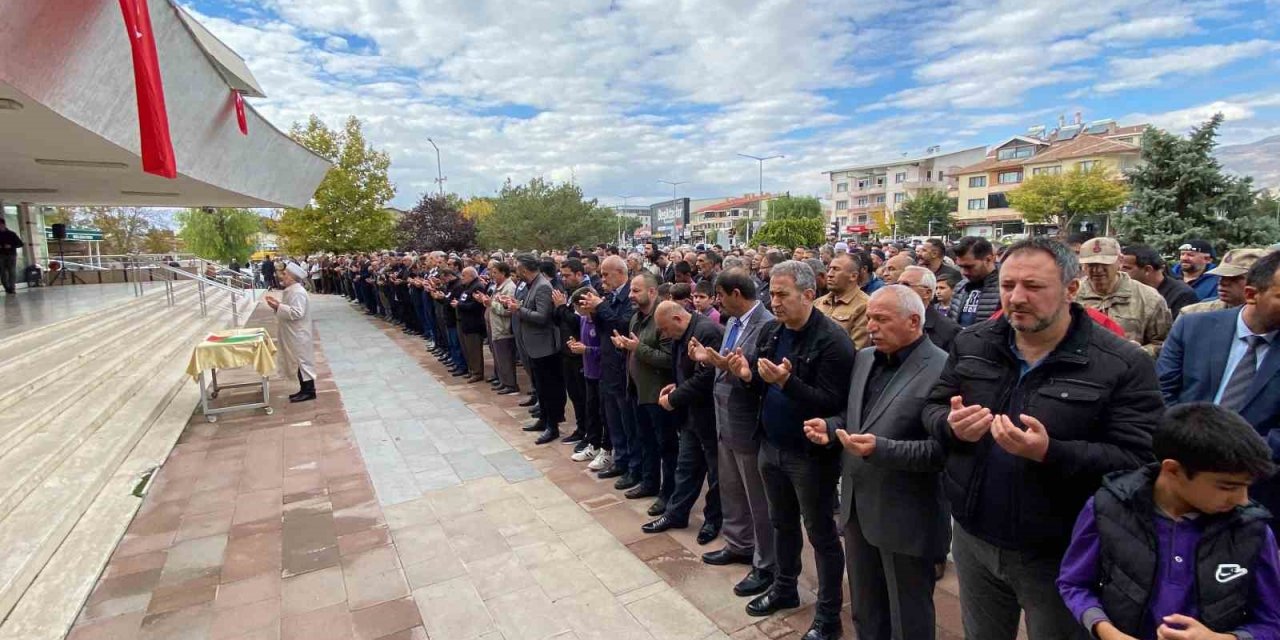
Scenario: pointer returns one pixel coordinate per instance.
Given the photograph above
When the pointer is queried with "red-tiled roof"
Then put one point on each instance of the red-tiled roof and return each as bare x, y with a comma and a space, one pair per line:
1078, 147
734, 203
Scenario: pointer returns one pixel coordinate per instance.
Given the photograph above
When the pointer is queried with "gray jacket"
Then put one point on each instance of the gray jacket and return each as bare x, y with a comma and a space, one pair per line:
896, 492
537, 332
737, 404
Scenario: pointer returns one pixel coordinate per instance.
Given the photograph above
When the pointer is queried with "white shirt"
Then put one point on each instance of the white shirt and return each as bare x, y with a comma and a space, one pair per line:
1238, 348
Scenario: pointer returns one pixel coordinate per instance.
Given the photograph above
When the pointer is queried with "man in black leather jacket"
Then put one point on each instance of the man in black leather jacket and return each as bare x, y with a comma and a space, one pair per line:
1033, 409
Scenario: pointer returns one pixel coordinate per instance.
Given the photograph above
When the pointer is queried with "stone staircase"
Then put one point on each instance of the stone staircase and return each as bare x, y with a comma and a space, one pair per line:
90, 405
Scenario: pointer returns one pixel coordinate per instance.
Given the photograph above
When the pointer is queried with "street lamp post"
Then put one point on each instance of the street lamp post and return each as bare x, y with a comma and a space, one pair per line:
439, 172
624, 205
673, 186
759, 205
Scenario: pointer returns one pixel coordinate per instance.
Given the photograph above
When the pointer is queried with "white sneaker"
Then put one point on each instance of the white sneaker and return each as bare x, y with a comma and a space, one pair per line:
588, 452
604, 460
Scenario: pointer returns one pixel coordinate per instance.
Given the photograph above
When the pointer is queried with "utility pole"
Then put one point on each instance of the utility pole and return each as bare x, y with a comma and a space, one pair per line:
619, 217
439, 172
760, 203
673, 186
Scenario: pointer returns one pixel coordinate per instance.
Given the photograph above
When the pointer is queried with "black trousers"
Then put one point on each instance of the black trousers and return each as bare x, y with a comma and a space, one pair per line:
548, 383
892, 593
698, 460
596, 434
575, 387
801, 485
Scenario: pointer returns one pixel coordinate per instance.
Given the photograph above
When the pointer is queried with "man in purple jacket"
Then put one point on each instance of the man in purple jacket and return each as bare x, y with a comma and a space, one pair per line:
1176, 550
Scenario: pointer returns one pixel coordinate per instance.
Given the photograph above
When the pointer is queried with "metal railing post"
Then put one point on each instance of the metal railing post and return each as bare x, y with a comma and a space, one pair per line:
204, 308
235, 309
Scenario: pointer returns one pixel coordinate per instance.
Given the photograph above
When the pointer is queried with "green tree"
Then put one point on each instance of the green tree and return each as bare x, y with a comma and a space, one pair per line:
1180, 191
540, 215
348, 211
160, 241
792, 222
928, 205
222, 235
123, 228
1063, 198
436, 224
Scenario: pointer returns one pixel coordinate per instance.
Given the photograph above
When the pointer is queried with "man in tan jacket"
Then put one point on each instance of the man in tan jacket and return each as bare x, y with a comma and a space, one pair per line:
1140, 310
845, 303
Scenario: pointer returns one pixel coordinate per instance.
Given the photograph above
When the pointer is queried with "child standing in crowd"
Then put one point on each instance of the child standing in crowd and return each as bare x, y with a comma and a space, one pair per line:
1176, 550
704, 297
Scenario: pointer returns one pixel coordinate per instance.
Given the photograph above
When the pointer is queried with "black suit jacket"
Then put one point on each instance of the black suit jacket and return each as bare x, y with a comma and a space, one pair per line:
693, 396
940, 329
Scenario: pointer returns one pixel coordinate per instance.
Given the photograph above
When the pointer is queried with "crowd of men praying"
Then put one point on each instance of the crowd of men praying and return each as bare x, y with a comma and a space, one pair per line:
1087, 428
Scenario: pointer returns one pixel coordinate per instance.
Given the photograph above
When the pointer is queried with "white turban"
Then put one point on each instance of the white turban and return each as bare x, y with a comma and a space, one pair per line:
297, 272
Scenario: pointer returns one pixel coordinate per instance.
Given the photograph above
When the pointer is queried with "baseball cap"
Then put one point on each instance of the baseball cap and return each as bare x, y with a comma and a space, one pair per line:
1196, 244
1237, 262
1100, 251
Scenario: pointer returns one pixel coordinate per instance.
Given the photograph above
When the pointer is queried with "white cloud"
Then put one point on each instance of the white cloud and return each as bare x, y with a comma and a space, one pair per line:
1149, 71
1242, 121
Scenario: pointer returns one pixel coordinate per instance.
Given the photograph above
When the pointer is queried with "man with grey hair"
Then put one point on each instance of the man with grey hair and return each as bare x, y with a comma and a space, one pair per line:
801, 371
940, 329
1032, 410
892, 508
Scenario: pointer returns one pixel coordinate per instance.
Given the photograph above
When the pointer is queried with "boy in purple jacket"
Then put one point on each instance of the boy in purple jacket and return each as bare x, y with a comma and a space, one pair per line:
1176, 550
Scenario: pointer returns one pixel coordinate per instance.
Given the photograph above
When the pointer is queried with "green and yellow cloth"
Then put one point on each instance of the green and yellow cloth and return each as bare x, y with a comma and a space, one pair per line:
231, 348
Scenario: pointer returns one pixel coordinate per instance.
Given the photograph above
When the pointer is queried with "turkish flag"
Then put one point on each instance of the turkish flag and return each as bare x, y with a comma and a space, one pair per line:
240, 117
153, 120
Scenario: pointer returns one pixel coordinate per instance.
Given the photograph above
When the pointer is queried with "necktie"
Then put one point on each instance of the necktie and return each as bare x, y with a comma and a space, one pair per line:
732, 338
1233, 397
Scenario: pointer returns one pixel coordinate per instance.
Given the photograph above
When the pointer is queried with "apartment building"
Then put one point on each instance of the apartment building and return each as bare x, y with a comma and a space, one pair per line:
982, 200
724, 215
859, 193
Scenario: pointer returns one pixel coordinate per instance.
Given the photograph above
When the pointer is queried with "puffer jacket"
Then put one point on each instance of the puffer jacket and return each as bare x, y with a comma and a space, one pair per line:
1096, 394
988, 298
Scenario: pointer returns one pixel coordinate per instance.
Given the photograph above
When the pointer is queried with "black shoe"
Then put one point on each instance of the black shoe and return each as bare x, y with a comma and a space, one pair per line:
308, 392
612, 472
662, 524
756, 583
641, 491
821, 630
461, 372
708, 532
723, 557
658, 508
627, 481
536, 425
529, 402
506, 391
535, 413
494, 381
548, 436
574, 438
772, 602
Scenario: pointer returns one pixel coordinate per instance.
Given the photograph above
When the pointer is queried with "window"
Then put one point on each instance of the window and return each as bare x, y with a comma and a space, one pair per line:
880, 199
862, 184
862, 219
1010, 177
939, 176
842, 187
1015, 153
880, 181
1052, 171
977, 203
842, 205
1086, 164
979, 181
899, 197
862, 202
900, 177
928, 176
997, 201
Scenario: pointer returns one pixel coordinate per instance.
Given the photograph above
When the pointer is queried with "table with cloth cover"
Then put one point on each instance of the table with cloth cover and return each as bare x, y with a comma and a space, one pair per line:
233, 349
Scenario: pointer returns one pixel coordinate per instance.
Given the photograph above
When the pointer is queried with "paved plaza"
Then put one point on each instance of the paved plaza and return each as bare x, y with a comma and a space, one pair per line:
402, 504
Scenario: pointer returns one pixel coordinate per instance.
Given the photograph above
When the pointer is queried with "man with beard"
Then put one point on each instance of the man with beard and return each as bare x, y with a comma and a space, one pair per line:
1032, 410
1195, 259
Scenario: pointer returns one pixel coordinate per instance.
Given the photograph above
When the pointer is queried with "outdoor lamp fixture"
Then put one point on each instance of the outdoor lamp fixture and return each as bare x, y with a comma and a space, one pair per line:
84, 164
9, 104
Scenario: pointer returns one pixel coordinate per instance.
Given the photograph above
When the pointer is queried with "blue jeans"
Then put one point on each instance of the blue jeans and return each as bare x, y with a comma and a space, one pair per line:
455, 349
620, 416
659, 447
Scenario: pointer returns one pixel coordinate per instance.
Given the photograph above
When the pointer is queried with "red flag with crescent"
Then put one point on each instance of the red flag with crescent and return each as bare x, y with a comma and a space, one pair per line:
240, 117
153, 119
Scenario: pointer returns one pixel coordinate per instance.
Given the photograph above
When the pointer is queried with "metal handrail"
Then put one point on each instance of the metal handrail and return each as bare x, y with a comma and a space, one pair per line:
64, 263
202, 284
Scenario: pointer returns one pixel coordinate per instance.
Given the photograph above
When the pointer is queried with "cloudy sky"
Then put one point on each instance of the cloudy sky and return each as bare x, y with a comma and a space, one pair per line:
621, 94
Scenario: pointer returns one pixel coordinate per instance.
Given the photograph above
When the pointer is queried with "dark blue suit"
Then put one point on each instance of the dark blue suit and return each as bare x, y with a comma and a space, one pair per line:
1191, 366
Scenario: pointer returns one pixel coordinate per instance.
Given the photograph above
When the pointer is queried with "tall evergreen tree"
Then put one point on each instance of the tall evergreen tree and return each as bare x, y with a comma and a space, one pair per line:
1180, 191
928, 205
792, 222
543, 216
